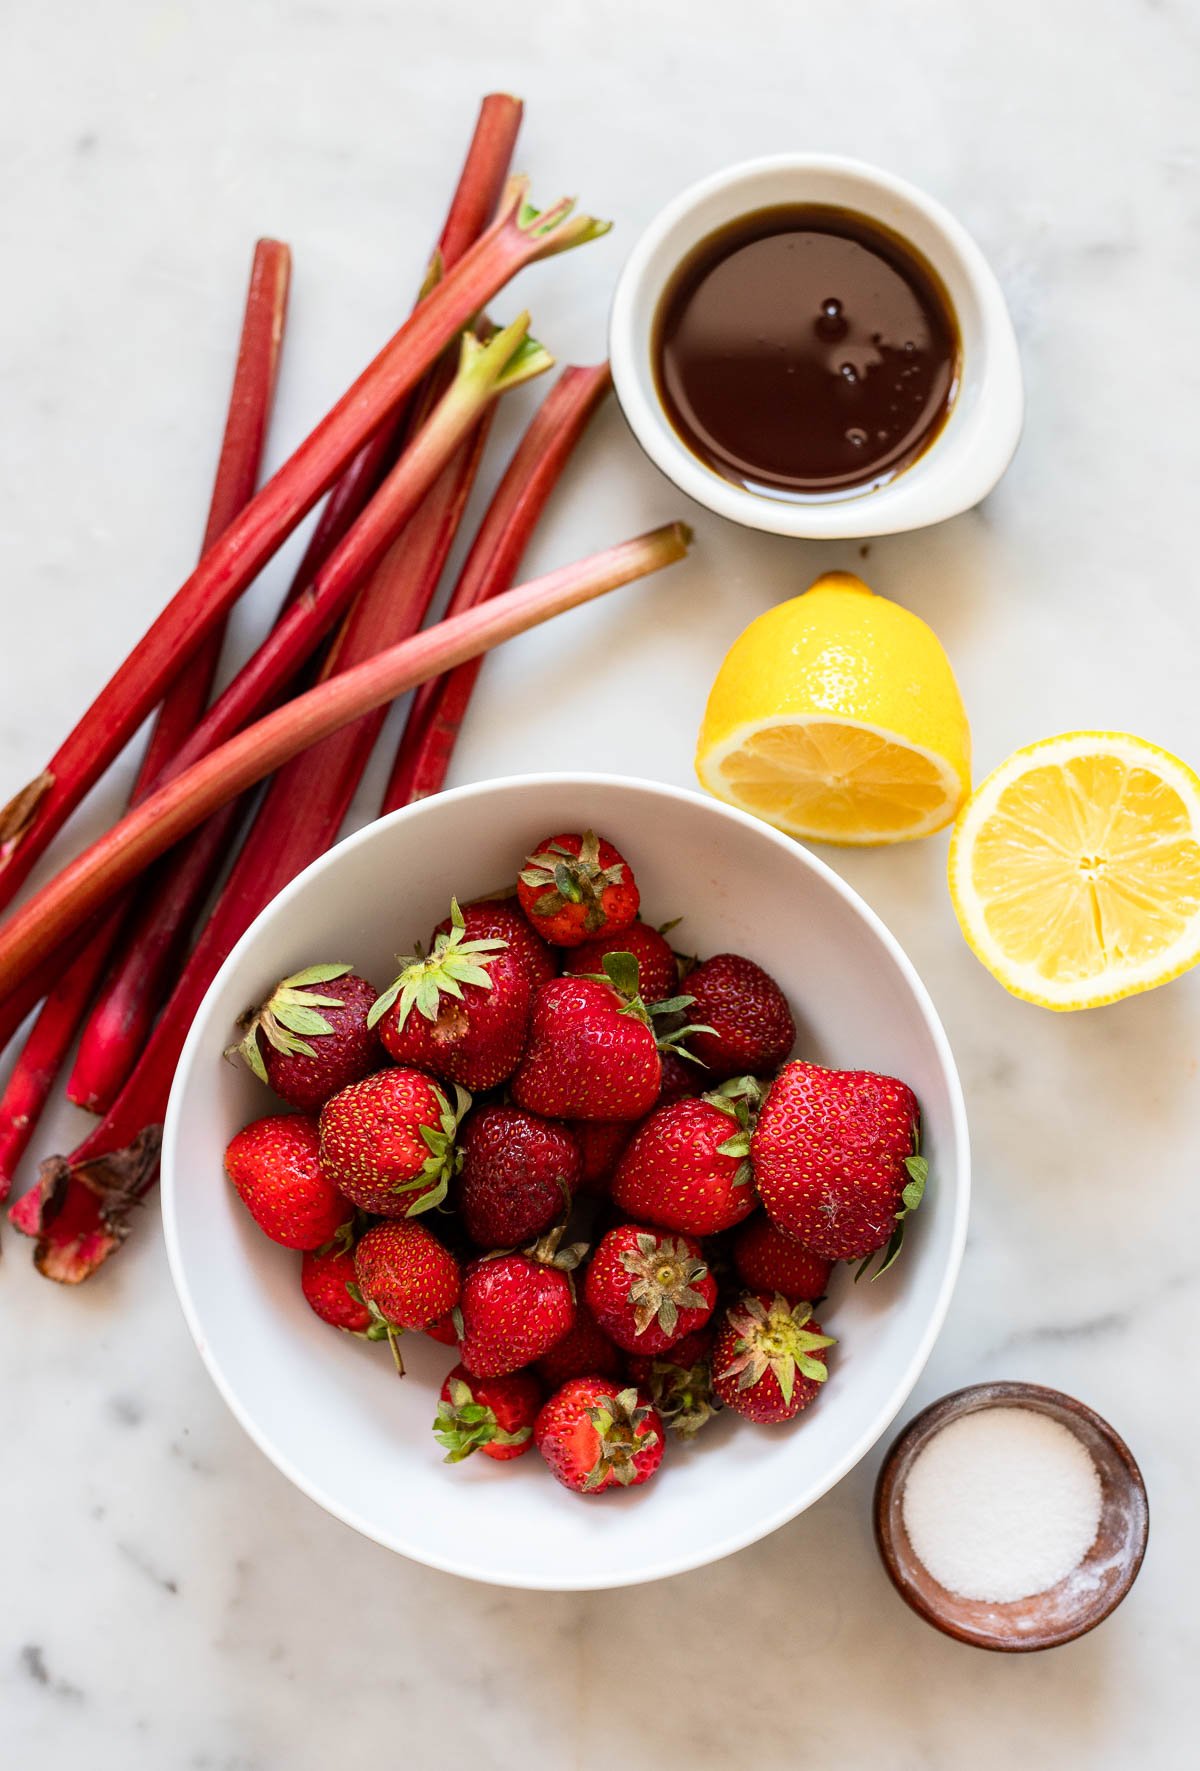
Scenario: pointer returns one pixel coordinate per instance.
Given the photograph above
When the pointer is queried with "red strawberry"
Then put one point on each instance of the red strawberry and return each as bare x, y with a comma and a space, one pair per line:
463, 1012
444, 1330
388, 1142
494, 1415
689, 1351
573, 888
836, 1158
405, 1278
491, 920
688, 1167
515, 1307
764, 1361
768, 1259
307, 1044
752, 1026
679, 1078
679, 1381
593, 1052
274, 1164
325, 1275
594, 1436
658, 968
518, 1175
647, 1288
601, 1142
584, 1351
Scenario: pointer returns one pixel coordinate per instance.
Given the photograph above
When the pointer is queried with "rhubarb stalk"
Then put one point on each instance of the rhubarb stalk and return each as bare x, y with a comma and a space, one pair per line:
80, 1209
518, 237
479, 189
140, 980
437, 710
298, 819
53, 1033
508, 360
183, 802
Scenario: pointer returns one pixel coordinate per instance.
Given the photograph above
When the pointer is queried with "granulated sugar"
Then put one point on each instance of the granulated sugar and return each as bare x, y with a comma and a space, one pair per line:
1001, 1504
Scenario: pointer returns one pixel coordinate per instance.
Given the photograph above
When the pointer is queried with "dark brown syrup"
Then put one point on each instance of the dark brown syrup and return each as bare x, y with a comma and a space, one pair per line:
805, 352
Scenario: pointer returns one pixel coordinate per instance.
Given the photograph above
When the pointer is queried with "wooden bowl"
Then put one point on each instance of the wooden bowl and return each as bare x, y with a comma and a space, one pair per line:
1078, 1603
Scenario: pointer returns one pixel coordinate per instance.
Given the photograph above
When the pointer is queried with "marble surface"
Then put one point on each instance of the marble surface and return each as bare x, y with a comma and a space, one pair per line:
168, 1600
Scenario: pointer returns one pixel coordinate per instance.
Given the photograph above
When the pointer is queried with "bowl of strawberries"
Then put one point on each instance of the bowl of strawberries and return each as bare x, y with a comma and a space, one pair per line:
565, 1180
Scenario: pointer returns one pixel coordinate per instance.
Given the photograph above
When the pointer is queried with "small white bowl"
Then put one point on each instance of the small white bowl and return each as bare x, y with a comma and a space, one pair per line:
975, 444
328, 1410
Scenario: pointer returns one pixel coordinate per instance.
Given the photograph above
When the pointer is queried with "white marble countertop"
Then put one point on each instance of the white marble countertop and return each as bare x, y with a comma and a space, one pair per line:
169, 1601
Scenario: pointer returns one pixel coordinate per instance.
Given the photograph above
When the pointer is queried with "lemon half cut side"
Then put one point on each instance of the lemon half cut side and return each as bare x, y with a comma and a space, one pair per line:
1075, 869
835, 716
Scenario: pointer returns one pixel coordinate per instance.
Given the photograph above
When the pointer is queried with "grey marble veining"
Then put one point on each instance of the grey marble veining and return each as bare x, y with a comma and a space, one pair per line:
169, 1601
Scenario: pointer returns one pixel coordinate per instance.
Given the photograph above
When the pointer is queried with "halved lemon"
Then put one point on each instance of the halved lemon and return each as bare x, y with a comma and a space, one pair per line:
1075, 869
835, 716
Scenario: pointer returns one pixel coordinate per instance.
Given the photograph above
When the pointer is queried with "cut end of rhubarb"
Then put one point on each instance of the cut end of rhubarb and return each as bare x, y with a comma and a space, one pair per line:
79, 1212
20, 812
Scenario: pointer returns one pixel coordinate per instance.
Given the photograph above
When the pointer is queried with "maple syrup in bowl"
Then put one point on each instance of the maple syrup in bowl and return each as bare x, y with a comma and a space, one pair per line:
809, 345
805, 352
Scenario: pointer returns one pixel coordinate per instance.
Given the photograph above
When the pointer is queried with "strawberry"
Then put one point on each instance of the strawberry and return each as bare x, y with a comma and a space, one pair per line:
594, 1436
647, 1289
688, 1166
518, 1175
593, 1052
573, 888
763, 1360
325, 1277
678, 1078
657, 966
463, 1012
274, 1165
388, 1142
751, 1030
516, 1306
492, 920
837, 1162
768, 1259
405, 1278
584, 1351
679, 1382
494, 1415
444, 1330
689, 1351
601, 1142
308, 1044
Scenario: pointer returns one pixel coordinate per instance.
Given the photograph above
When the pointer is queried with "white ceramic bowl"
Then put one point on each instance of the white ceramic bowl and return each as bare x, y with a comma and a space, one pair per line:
327, 1409
977, 441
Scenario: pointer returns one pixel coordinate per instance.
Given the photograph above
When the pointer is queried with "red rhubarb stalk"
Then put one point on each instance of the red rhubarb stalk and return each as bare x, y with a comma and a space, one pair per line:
506, 361
437, 711
187, 799
479, 189
238, 466
299, 818
519, 236
153, 939
53, 1033
80, 1209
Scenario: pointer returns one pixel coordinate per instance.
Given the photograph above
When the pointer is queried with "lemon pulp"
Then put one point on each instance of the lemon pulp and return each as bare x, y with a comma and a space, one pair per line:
1075, 869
